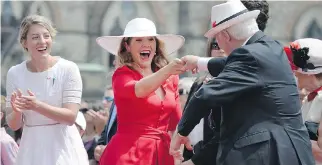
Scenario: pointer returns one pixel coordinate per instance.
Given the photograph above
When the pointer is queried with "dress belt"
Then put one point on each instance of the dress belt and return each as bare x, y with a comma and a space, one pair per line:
38, 125
144, 131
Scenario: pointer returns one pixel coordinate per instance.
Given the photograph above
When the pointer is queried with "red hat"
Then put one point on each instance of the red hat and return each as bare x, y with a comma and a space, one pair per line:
290, 57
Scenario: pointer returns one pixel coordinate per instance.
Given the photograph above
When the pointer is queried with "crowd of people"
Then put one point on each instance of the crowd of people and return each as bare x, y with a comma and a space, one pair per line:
253, 101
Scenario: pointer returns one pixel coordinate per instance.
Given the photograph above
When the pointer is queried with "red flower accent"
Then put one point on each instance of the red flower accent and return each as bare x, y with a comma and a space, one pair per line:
295, 45
214, 24
290, 57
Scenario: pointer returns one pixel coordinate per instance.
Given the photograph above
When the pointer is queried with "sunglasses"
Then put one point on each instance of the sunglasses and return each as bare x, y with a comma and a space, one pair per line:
183, 92
214, 45
108, 98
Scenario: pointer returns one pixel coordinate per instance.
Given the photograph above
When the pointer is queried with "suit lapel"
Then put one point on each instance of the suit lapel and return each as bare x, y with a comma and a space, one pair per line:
258, 35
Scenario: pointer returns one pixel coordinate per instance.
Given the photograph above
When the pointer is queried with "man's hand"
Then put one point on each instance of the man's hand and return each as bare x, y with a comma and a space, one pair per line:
191, 62
175, 144
99, 151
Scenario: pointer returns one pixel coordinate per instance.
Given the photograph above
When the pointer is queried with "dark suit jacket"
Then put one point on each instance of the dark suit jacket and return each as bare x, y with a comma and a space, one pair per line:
104, 137
261, 116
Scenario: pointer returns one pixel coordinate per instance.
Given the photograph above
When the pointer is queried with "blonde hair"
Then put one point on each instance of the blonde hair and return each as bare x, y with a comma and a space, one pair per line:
34, 20
125, 58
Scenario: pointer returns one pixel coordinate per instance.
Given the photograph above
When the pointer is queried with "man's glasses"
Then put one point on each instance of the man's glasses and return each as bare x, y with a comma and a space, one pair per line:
108, 98
183, 92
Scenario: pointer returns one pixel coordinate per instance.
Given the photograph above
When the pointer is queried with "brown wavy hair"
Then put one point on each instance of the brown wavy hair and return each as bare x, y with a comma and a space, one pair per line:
159, 60
209, 47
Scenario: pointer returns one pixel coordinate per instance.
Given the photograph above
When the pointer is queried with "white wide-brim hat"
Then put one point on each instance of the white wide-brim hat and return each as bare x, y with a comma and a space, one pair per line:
228, 14
314, 55
141, 27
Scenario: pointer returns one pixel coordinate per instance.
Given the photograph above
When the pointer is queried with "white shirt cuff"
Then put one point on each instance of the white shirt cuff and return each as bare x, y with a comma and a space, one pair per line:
203, 63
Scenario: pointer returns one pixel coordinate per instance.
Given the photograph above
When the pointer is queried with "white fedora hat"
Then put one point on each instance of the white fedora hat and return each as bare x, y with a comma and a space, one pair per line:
307, 55
141, 27
227, 14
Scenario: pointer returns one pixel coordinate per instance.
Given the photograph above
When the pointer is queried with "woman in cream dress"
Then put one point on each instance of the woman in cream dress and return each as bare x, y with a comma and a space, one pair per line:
44, 94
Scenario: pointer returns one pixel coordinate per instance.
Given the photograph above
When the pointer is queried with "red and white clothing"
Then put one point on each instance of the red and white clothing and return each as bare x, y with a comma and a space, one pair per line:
312, 106
312, 112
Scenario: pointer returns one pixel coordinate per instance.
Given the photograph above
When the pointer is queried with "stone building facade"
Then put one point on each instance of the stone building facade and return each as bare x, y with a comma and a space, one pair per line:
79, 23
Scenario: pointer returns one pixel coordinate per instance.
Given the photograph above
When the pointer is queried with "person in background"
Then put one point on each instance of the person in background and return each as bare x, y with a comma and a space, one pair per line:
8, 146
108, 97
184, 88
263, 7
45, 93
302, 91
107, 134
99, 117
306, 55
111, 125
208, 126
90, 135
84, 104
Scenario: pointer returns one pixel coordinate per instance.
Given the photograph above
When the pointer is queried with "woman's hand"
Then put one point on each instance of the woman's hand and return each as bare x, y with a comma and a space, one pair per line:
27, 102
15, 103
176, 67
99, 119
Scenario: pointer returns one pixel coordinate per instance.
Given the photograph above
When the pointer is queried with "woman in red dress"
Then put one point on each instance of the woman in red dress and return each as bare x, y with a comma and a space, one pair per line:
146, 95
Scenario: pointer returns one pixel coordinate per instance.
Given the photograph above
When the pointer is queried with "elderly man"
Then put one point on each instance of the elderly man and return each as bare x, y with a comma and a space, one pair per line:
261, 117
204, 152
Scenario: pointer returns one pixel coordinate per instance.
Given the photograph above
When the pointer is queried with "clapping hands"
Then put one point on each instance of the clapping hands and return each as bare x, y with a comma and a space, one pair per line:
21, 102
99, 119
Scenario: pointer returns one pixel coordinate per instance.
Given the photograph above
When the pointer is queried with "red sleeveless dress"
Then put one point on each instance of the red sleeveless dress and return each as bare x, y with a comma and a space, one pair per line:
143, 123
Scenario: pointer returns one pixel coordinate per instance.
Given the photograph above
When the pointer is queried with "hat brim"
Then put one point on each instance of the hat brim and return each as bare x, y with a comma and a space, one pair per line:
310, 72
243, 17
172, 43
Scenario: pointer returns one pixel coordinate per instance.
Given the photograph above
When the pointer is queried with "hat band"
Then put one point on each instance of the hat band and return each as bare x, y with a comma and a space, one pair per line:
309, 67
214, 24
